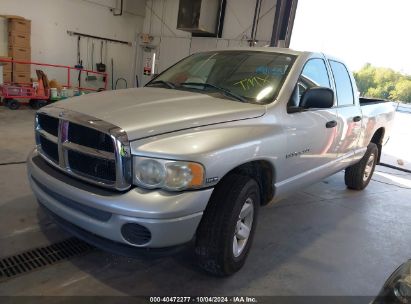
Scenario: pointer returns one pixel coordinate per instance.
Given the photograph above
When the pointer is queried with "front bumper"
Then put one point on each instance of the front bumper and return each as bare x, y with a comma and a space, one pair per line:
171, 218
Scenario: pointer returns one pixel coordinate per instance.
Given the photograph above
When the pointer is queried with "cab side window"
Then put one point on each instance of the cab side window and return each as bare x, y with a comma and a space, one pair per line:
345, 95
314, 74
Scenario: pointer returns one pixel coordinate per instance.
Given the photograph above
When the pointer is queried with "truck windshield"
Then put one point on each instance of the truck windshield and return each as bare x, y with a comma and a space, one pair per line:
246, 76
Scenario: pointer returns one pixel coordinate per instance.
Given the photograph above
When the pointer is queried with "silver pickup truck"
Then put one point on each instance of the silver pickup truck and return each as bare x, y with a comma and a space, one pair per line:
192, 156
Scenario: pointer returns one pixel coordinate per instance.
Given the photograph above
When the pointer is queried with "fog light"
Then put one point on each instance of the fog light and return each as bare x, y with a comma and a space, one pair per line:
136, 234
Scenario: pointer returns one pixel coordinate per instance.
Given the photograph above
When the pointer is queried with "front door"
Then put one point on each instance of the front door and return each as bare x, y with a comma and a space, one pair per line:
310, 134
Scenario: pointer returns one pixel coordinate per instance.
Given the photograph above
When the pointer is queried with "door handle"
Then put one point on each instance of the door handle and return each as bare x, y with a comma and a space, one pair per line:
357, 118
331, 124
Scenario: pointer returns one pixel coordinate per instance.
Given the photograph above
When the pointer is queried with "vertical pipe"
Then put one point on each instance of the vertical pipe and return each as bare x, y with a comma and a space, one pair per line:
274, 35
257, 4
68, 78
283, 22
121, 9
221, 18
153, 64
291, 22
112, 73
258, 21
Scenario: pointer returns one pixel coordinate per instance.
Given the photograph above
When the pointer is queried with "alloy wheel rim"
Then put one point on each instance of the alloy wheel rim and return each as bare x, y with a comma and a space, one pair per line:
368, 168
243, 227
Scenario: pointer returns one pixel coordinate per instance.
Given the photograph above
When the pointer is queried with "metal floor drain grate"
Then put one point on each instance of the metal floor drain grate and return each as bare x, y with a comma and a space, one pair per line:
38, 258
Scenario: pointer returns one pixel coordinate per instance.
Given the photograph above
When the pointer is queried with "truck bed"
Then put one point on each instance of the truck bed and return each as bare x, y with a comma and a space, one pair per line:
364, 101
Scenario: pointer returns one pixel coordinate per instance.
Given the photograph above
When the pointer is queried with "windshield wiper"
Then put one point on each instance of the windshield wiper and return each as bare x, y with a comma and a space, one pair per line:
166, 83
222, 90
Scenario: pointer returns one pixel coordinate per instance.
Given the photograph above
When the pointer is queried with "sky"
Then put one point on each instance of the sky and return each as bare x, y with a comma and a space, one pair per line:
357, 31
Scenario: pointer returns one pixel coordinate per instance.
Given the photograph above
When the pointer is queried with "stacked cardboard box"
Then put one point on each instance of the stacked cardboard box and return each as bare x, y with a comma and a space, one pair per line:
19, 48
7, 70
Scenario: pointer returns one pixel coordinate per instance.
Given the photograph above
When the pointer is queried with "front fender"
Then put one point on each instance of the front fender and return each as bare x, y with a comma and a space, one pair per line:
220, 148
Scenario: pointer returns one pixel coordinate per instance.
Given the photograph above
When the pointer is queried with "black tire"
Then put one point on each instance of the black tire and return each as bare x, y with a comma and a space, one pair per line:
6, 101
13, 104
37, 104
42, 103
217, 230
356, 177
32, 103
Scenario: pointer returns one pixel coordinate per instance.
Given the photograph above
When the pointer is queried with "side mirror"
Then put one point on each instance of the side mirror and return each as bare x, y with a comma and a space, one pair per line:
318, 97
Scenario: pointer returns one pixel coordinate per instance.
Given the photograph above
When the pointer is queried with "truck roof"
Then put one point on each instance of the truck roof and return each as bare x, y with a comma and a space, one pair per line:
265, 49
283, 51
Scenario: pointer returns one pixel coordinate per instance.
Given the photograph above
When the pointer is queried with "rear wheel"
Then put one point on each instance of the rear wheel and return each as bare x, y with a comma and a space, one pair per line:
13, 104
226, 231
37, 103
358, 176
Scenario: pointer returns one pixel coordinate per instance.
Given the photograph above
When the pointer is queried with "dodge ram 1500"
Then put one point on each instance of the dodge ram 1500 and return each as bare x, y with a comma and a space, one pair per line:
192, 156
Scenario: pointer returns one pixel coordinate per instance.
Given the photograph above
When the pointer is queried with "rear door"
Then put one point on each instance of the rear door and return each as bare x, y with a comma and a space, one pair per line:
349, 114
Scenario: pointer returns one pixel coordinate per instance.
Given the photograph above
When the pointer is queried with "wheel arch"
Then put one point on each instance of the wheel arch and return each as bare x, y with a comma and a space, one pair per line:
263, 172
377, 139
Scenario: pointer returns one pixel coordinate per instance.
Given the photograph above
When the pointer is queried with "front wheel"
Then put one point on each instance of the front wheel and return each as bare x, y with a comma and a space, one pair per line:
358, 176
227, 228
6, 101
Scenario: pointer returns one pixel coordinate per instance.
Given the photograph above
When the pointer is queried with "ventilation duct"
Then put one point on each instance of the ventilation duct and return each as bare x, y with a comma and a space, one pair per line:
199, 16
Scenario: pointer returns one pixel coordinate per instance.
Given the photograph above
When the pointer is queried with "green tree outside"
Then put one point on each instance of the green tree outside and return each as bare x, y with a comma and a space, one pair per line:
383, 83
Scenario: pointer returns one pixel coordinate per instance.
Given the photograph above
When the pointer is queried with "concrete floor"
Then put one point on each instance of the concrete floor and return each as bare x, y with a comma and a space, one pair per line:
324, 240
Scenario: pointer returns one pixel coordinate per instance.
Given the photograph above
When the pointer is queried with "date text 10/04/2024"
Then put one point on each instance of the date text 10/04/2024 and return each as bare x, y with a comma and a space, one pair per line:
238, 299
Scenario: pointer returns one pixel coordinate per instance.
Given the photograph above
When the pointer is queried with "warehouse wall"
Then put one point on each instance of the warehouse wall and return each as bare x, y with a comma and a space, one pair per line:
173, 45
52, 18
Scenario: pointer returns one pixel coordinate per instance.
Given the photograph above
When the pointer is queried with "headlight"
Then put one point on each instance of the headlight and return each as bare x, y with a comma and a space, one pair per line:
150, 172
397, 289
170, 175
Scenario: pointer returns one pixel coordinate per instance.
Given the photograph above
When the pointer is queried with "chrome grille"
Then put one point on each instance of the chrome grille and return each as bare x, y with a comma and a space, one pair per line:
50, 149
49, 124
84, 147
90, 138
104, 169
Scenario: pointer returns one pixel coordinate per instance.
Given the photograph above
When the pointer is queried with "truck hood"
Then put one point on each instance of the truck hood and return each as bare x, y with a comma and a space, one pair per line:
148, 112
